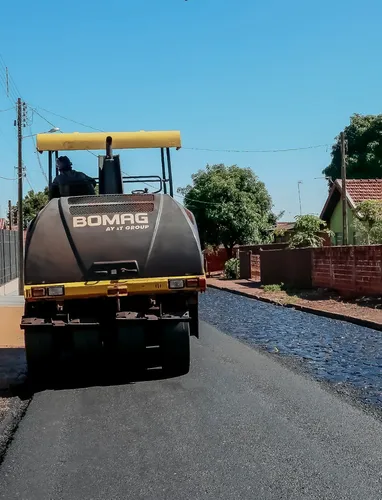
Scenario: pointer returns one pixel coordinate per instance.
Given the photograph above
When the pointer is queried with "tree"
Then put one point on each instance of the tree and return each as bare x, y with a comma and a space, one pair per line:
364, 138
368, 222
231, 206
308, 231
32, 204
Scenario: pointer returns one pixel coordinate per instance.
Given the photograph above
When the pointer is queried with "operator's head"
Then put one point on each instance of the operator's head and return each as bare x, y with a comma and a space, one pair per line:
63, 163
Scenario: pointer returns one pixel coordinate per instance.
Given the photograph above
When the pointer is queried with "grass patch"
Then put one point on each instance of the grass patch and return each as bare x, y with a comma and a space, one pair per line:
273, 288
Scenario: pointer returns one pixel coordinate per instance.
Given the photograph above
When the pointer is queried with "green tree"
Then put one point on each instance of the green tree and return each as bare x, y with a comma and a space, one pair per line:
231, 206
364, 149
32, 204
368, 223
308, 231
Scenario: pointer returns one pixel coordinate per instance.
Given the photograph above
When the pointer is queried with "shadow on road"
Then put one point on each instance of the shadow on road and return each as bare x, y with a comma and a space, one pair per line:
66, 378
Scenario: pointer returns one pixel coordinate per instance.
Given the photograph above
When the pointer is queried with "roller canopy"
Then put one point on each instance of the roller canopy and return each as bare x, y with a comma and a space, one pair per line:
78, 141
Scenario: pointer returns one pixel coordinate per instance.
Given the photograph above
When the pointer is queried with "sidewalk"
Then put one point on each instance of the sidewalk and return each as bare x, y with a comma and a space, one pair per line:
12, 356
365, 312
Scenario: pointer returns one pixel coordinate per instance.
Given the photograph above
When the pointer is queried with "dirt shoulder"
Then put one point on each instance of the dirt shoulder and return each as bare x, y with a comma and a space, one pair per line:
364, 311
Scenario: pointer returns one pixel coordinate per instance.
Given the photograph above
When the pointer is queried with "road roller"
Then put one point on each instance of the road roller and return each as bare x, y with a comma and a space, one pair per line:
113, 277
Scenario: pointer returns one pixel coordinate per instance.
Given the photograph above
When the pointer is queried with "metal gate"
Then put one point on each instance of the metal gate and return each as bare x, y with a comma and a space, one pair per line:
9, 269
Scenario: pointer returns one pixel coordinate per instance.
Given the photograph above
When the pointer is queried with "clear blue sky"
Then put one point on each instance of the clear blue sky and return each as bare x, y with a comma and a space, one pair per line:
228, 74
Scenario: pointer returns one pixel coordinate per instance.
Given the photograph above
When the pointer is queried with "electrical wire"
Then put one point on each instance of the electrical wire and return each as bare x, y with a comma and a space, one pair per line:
258, 150
281, 150
8, 178
45, 119
68, 119
38, 156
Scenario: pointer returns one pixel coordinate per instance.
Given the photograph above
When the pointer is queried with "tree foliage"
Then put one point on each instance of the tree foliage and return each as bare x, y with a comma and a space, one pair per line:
368, 222
32, 204
231, 206
364, 149
308, 231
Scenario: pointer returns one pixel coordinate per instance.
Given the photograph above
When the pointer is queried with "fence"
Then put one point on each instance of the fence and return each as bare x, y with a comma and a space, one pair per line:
351, 270
291, 267
9, 269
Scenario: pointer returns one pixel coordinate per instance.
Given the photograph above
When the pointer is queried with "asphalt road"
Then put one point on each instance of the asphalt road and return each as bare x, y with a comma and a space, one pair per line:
239, 426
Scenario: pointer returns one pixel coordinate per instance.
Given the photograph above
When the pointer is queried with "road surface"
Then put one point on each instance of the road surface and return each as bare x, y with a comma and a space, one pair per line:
239, 426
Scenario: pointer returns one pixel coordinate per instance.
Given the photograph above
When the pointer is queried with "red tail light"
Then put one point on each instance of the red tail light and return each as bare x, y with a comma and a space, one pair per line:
192, 283
203, 284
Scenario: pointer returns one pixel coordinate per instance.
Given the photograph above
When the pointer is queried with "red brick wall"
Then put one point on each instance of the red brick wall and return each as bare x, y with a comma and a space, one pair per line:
215, 261
351, 270
255, 267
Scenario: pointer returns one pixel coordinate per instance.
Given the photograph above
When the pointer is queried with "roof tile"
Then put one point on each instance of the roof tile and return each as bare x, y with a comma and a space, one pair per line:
364, 189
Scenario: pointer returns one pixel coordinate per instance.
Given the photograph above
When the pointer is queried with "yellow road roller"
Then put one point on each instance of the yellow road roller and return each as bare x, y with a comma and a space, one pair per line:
114, 276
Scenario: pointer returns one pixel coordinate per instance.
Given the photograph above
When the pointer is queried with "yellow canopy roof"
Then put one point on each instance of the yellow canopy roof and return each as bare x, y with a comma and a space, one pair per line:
77, 141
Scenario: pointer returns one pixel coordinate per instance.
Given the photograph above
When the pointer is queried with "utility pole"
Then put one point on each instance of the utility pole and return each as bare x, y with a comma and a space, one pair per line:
20, 219
10, 214
299, 195
343, 191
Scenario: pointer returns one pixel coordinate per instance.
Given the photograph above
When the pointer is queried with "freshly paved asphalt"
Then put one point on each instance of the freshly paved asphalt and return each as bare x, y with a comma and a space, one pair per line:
239, 426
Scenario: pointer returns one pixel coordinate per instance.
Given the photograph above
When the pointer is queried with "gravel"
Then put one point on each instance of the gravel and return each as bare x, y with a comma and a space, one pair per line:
346, 355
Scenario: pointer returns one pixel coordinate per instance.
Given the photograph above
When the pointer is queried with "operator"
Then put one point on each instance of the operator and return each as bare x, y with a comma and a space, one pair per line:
69, 182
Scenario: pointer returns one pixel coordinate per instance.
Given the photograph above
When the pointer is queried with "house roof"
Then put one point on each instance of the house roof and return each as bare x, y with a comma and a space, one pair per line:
285, 226
357, 190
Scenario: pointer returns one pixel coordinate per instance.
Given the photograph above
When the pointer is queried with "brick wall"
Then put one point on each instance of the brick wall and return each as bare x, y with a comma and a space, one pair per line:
351, 270
255, 267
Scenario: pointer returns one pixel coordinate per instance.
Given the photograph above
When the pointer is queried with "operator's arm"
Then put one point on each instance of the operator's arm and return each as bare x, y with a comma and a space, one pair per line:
54, 191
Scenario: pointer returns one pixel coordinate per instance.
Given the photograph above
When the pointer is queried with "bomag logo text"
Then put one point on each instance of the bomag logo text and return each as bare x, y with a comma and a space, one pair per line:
115, 222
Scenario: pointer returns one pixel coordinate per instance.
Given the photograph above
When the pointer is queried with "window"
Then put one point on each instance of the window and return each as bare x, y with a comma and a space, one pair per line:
338, 238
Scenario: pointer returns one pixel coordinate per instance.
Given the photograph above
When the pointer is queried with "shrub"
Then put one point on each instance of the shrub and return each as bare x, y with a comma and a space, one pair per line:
231, 269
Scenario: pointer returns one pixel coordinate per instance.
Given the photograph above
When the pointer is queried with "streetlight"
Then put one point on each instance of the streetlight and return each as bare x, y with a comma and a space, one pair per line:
299, 195
51, 131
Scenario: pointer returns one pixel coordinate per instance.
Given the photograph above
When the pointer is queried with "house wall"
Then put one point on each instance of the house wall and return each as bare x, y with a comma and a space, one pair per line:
336, 224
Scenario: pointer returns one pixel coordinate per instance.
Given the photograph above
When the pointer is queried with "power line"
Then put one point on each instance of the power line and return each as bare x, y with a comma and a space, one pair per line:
38, 156
8, 178
69, 119
43, 117
279, 150
258, 150
11, 80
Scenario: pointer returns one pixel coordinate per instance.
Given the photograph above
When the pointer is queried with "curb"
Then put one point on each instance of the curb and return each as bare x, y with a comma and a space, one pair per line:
340, 317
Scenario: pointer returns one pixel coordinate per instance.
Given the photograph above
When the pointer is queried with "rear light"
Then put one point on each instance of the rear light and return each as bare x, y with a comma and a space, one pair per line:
38, 292
203, 284
175, 284
55, 291
192, 283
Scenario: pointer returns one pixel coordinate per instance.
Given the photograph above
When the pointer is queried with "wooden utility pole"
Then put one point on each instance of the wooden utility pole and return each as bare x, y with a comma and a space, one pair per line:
20, 218
344, 191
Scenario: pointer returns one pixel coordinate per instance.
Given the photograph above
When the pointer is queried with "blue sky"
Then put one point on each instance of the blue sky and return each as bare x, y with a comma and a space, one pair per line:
241, 75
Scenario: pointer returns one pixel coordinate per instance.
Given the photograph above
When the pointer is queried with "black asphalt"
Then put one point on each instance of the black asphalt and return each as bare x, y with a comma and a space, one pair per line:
239, 426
